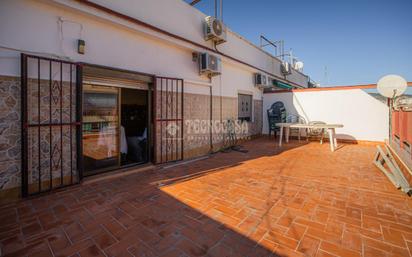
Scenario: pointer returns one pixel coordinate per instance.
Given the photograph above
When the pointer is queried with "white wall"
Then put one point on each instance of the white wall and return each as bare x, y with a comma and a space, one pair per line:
234, 79
106, 43
186, 21
110, 41
363, 116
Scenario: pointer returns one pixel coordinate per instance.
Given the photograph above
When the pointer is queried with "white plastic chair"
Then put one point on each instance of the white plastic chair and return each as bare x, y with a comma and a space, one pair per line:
315, 132
293, 118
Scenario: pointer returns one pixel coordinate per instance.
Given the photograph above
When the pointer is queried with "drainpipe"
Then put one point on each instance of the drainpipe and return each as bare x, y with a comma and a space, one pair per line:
211, 119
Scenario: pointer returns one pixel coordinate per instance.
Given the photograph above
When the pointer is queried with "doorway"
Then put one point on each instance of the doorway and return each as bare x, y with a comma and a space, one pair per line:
76, 115
134, 126
116, 121
115, 128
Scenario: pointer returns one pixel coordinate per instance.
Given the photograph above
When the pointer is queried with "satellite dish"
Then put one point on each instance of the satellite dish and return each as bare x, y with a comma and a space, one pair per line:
392, 86
299, 65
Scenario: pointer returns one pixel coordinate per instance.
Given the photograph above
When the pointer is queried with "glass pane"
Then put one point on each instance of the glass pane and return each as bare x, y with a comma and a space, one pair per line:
100, 128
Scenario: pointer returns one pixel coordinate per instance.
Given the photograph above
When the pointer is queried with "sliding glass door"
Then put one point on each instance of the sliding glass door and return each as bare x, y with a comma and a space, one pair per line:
101, 129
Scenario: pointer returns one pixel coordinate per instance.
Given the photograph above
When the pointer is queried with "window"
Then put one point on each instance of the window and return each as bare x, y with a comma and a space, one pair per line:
245, 107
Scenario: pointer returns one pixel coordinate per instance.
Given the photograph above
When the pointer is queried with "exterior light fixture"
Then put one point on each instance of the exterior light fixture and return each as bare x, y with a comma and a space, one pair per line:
81, 44
195, 56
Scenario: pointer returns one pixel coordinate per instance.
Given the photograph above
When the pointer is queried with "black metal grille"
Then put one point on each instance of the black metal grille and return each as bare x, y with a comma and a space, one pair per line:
50, 123
168, 105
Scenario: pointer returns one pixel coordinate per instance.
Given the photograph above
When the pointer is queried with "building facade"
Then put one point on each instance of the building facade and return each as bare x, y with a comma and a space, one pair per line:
91, 86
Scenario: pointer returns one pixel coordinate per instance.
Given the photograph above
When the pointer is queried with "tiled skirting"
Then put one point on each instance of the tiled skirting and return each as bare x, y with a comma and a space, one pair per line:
10, 133
196, 107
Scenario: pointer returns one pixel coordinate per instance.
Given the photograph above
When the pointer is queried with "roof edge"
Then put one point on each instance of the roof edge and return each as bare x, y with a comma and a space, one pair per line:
365, 86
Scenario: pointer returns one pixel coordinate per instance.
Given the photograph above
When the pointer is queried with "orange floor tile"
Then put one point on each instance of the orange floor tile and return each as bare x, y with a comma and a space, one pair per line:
298, 200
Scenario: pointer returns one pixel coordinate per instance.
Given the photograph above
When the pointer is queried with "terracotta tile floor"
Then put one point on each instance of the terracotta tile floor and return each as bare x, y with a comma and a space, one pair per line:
301, 200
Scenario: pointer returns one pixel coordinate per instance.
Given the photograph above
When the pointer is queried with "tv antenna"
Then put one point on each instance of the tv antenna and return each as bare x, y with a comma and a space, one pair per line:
326, 76
279, 45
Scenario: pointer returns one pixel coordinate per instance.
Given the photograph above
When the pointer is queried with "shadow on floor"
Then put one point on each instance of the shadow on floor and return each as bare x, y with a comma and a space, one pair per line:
136, 215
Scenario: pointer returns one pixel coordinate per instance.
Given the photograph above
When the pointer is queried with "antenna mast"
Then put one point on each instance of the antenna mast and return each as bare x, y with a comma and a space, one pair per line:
278, 45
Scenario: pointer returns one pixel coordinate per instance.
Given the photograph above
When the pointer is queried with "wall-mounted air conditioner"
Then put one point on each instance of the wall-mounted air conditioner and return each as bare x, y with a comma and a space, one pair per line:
209, 64
298, 66
215, 30
262, 81
285, 68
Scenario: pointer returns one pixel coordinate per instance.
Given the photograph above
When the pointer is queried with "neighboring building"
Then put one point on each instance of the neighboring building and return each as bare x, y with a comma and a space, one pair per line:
135, 95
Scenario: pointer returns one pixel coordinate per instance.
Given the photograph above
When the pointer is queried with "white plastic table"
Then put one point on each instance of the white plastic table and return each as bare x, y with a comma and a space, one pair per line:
329, 127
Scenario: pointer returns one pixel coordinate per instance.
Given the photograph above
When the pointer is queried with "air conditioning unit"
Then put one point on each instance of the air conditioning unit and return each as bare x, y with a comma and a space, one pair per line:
298, 66
262, 81
209, 64
286, 68
214, 30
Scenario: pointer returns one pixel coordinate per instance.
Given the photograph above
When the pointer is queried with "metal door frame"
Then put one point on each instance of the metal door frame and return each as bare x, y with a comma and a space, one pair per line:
25, 125
163, 117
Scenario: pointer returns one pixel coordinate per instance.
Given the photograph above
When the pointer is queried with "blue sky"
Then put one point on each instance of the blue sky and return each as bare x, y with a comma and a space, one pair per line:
357, 40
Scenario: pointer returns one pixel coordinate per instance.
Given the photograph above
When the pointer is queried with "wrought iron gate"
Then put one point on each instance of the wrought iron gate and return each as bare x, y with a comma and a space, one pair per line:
51, 131
168, 115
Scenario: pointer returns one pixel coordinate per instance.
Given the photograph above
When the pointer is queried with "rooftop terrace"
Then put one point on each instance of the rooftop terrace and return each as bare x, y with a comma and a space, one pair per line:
298, 200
